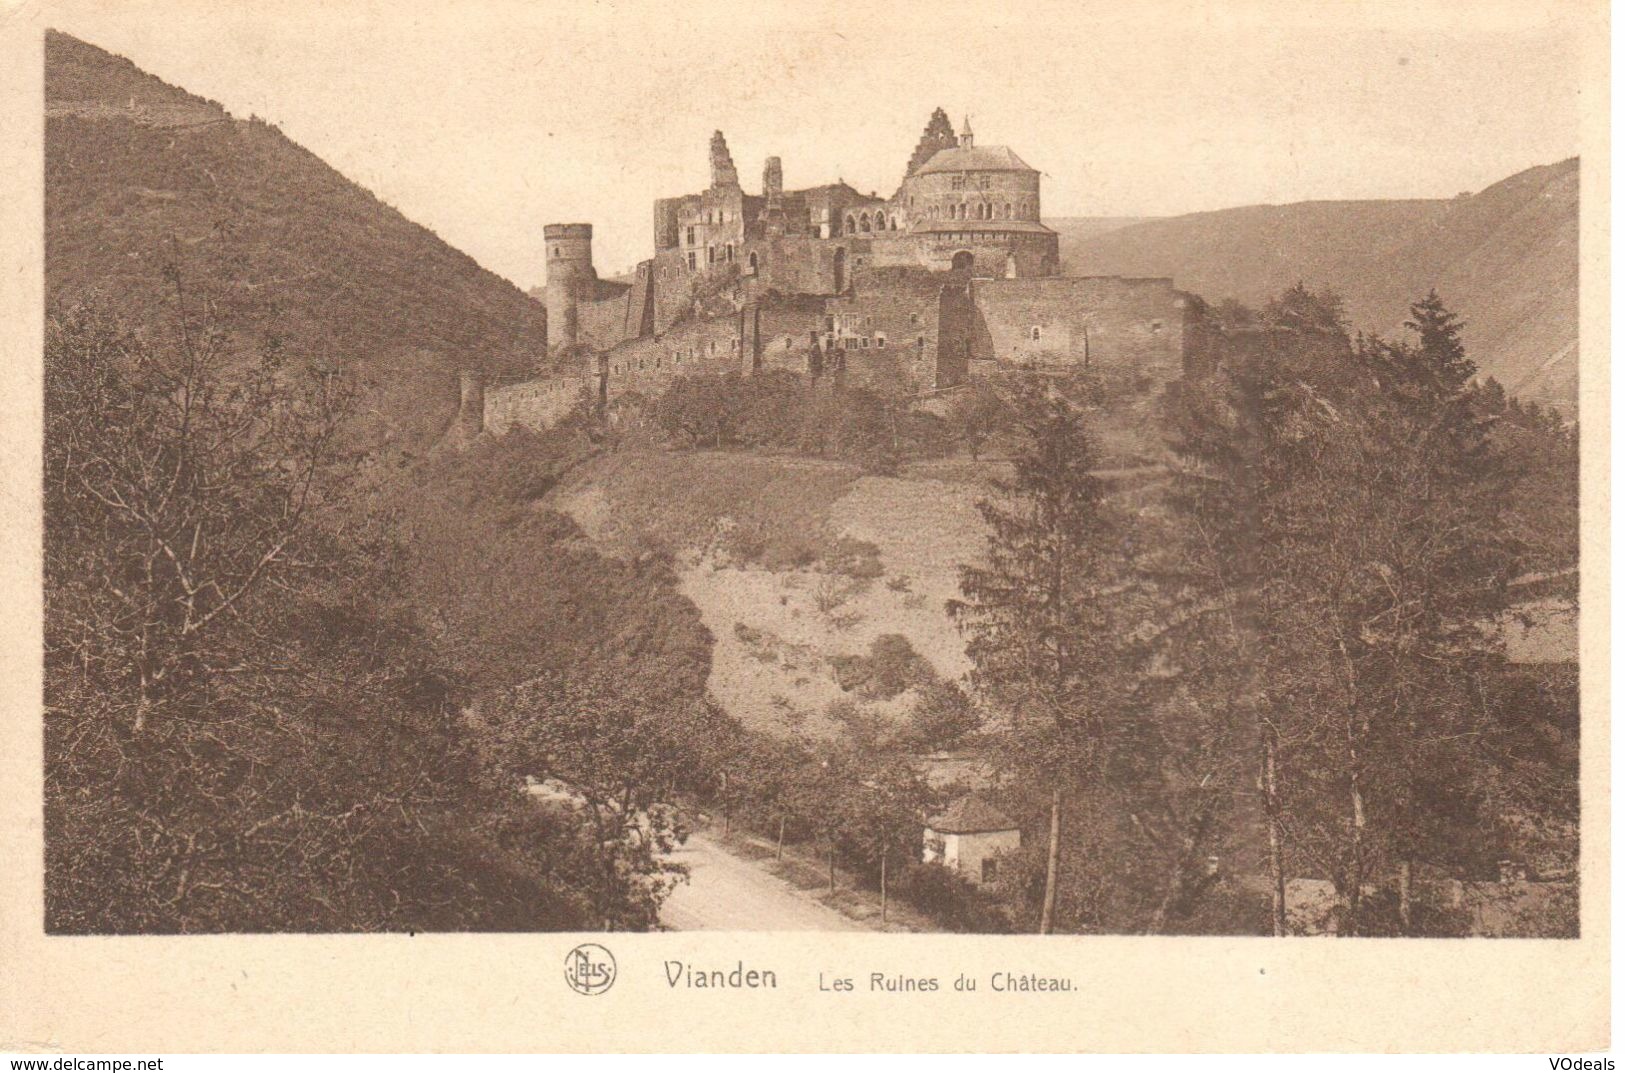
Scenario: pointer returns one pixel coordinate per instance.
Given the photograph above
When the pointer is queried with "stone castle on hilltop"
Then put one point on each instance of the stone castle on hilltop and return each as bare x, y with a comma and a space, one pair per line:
952, 276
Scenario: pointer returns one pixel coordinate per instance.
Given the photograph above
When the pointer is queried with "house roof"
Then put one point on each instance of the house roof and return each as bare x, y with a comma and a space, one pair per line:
1025, 227
977, 158
971, 815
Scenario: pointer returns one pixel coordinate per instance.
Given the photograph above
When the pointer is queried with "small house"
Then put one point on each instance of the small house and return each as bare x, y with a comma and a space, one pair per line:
969, 837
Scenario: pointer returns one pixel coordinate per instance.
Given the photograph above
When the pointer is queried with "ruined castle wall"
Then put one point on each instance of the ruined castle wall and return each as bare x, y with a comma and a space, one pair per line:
648, 366
668, 212
997, 254
787, 335
640, 303
895, 249
800, 264
533, 403
885, 335
671, 279
956, 328
602, 323
1104, 322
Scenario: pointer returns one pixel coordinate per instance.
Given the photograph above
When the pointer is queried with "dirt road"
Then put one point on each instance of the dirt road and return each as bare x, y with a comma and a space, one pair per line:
727, 893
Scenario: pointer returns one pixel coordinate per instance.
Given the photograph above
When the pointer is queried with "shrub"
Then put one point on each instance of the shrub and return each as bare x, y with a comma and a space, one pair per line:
951, 900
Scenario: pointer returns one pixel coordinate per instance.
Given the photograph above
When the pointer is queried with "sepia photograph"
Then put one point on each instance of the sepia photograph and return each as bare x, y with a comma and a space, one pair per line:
1063, 471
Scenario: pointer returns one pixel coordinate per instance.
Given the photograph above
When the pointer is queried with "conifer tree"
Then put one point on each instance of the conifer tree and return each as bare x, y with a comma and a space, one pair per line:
1039, 614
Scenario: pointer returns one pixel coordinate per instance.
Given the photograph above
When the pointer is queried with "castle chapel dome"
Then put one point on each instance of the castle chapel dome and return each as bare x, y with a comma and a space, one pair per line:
977, 158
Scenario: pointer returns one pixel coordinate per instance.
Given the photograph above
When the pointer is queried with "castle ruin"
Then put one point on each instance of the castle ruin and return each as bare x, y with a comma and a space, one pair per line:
952, 276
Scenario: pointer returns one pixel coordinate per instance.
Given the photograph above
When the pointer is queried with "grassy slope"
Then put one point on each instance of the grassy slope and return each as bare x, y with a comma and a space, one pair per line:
777, 616
140, 174
1506, 259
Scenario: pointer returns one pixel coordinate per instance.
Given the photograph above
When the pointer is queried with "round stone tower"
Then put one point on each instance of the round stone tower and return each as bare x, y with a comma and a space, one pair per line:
570, 278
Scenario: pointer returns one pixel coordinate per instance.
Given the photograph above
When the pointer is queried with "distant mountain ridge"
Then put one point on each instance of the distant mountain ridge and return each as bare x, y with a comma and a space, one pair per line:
140, 174
1505, 259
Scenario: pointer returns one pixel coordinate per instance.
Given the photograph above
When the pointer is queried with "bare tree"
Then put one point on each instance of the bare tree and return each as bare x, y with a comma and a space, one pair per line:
179, 480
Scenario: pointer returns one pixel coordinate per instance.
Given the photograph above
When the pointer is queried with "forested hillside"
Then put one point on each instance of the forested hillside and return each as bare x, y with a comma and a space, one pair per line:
141, 176
1506, 258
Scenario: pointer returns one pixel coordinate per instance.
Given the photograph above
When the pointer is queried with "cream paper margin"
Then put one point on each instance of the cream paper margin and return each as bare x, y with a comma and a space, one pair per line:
505, 993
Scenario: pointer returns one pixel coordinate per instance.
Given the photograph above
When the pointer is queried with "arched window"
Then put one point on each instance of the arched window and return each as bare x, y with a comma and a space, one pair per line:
1035, 333
863, 221
753, 262
1006, 210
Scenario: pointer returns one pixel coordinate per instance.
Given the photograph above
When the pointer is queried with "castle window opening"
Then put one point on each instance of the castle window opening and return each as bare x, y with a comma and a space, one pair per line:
920, 342
1036, 333
691, 235
863, 222
880, 341
863, 341
913, 320
1156, 326
957, 183
753, 263
851, 224
710, 255
691, 261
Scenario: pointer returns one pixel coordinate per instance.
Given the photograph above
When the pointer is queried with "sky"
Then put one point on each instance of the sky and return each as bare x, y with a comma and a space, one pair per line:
484, 121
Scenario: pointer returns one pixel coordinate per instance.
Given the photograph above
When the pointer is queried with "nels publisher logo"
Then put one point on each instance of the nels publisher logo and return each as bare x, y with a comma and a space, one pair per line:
589, 969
